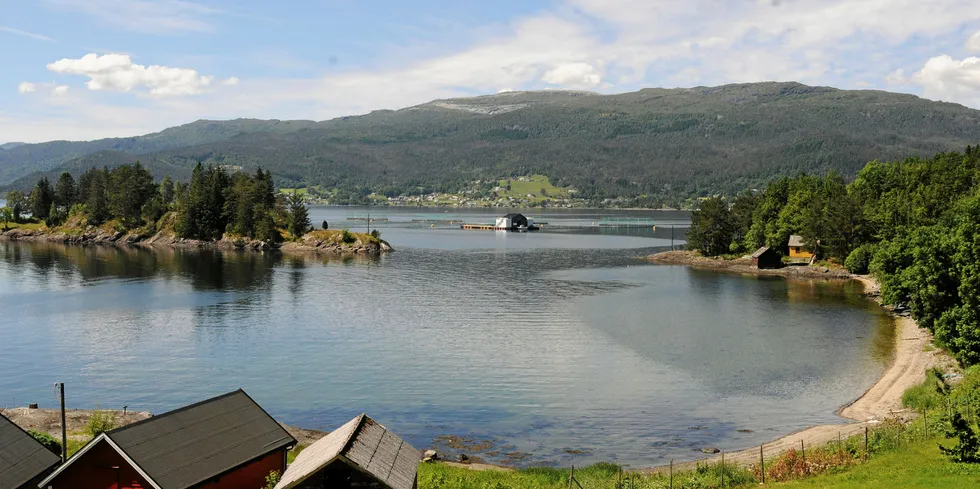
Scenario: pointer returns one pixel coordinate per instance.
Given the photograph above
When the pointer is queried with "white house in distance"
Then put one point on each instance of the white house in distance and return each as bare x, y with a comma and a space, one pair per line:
513, 222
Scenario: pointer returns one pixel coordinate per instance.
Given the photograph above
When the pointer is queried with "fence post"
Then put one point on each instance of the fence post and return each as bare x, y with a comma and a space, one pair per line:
722, 469
571, 477
803, 453
762, 463
671, 473
865, 443
925, 425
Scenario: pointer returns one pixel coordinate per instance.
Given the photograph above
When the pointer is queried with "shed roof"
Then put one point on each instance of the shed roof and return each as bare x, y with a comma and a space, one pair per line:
363, 444
796, 240
187, 446
760, 252
513, 215
22, 458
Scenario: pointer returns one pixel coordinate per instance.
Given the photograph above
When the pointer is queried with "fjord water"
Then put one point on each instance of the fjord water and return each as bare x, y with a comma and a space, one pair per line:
558, 347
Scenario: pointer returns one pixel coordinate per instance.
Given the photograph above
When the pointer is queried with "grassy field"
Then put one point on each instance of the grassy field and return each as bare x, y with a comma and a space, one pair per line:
598, 476
919, 465
915, 465
26, 225
533, 185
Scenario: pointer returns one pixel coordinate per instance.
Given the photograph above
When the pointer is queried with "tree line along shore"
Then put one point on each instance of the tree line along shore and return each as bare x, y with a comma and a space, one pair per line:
216, 208
913, 224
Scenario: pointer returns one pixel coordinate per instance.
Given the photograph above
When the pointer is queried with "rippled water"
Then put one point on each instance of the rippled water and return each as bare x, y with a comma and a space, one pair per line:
541, 343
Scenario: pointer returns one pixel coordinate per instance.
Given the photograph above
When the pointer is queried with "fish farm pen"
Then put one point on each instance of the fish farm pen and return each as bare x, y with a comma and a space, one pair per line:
625, 222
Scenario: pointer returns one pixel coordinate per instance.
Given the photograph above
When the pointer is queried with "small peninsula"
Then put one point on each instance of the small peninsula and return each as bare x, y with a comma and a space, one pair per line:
216, 209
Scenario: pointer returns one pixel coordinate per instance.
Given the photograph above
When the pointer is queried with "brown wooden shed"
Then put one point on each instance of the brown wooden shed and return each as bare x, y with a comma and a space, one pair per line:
361, 453
766, 257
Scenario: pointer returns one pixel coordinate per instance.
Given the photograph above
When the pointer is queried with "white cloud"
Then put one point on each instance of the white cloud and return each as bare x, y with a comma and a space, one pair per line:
973, 43
605, 45
118, 72
573, 75
26, 87
59, 90
149, 16
945, 78
31, 35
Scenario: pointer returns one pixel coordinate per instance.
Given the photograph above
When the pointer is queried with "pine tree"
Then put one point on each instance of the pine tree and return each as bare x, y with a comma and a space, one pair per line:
298, 215
65, 191
41, 198
167, 191
95, 195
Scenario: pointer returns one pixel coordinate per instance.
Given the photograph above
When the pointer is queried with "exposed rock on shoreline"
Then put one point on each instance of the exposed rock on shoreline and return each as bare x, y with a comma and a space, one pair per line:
744, 265
321, 241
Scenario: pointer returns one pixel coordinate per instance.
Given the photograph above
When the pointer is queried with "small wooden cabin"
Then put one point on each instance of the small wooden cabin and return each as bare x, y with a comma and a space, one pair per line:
766, 257
23, 460
797, 248
225, 442
361, 453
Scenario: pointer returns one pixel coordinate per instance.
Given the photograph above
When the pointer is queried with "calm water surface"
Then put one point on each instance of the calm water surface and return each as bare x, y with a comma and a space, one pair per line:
540, 343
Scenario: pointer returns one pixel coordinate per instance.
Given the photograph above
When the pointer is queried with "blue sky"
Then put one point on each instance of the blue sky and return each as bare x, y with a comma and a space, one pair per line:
85, 69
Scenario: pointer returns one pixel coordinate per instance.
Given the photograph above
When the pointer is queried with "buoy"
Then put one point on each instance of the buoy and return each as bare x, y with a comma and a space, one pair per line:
432, 225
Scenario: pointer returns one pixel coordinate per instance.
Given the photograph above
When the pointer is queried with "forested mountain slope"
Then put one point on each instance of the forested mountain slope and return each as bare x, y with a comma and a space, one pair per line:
657, 145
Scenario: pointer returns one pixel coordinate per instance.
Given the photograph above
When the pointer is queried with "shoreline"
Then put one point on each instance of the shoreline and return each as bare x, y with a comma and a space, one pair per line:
882, 400
317, 241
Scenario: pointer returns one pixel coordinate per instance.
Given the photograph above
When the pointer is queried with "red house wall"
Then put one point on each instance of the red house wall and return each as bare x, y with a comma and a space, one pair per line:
250, 476
94, 471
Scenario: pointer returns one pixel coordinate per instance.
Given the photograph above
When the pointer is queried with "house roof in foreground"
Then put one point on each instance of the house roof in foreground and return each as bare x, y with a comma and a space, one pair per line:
365, 445
22, 458
184, 447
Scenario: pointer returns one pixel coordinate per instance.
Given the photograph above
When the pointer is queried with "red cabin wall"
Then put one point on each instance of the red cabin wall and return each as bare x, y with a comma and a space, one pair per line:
251, 475
94, 471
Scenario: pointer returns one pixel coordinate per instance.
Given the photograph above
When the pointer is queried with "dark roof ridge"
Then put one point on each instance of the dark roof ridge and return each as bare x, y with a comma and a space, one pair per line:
181, 409
353, 434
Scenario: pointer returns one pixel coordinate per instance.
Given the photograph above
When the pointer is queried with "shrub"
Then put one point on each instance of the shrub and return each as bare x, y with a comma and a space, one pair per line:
77, 209
967, 449
346, 236
859, 260
324, 225
49, 442
376, 234
271, 480
100, 422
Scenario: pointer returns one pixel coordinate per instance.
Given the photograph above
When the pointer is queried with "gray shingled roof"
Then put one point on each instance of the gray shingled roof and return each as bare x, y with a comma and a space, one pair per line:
181, 448
796, 240
22, 458
366, 446
760, 251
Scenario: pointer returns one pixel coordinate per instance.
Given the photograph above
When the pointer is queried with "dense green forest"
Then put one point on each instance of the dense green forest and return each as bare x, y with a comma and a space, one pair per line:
914, 224
213, 203
653, 147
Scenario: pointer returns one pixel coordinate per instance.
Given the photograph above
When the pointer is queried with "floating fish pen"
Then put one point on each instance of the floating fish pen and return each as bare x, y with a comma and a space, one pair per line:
372, 219
625, 222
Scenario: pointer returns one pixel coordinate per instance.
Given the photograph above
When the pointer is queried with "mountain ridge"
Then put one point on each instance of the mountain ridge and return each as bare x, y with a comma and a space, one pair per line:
655, 144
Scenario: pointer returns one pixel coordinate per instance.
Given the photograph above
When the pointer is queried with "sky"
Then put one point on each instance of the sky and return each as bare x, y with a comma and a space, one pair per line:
88, 69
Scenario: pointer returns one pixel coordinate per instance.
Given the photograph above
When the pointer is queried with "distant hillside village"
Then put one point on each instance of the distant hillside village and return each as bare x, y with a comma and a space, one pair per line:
226, 442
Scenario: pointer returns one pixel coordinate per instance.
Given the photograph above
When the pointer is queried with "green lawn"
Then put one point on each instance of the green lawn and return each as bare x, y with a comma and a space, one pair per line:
919, 465
533, 186
26, 225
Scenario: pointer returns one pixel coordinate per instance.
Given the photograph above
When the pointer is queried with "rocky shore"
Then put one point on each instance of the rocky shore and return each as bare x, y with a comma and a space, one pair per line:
329, 241
744, 265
